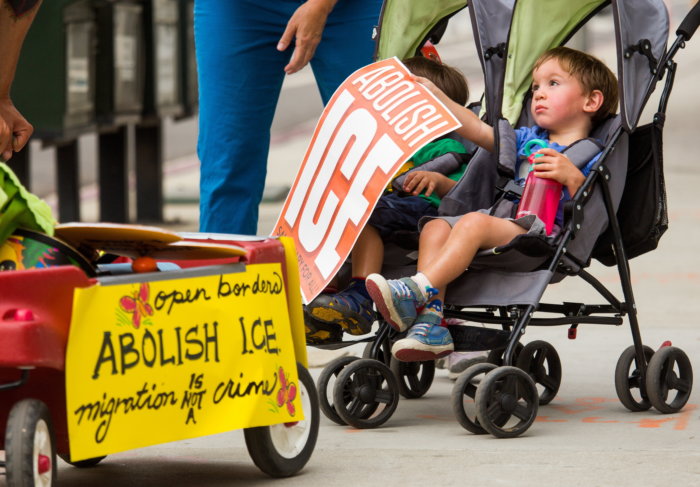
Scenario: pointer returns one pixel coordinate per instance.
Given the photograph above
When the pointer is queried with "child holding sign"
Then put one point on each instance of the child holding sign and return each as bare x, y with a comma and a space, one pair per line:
571, 92
436, 168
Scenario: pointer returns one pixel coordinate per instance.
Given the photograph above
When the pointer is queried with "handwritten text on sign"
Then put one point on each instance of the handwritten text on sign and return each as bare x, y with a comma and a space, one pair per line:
153, 362
375, 121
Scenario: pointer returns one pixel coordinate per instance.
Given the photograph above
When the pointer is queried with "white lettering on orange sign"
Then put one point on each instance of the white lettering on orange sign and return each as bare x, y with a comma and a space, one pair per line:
374, 122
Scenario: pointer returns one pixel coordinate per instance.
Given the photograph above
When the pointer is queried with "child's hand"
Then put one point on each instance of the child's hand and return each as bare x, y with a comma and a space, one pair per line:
431, 182
431, 87
554, 165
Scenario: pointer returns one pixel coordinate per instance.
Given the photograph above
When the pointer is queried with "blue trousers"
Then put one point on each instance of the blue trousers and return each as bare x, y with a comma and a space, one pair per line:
240, 77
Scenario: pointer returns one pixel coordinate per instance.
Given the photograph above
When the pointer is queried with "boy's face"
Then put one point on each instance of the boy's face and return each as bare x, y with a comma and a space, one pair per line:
558, 99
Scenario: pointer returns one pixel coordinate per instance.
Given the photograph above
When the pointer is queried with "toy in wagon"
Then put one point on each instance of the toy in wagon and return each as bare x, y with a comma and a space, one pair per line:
117, 336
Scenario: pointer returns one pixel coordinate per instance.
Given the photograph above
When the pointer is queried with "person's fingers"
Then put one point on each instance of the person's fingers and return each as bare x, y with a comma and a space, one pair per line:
287, 36
20, 140
5, 141
304, 50
420, 186
409, 182
21, 135
419, 79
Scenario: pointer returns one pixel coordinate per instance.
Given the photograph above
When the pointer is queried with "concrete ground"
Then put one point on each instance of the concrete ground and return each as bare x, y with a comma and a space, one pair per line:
585, 437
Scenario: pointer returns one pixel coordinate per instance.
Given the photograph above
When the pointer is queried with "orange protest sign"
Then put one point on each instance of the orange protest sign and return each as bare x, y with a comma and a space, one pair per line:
373, 123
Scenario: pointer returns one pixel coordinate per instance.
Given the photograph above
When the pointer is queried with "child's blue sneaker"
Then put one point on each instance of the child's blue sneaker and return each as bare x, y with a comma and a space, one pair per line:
351, 309
398, 300
426, 340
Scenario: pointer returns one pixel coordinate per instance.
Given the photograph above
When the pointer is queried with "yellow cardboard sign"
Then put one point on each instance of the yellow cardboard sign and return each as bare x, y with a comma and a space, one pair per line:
156, 361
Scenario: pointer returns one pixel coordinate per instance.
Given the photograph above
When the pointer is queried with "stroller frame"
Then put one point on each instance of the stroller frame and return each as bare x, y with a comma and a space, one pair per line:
504, 388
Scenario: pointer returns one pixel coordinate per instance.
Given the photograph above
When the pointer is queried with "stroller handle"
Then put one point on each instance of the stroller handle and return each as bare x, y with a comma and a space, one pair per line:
690, 23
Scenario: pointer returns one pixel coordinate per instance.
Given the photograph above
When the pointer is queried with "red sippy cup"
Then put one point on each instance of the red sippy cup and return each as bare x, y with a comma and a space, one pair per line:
541, 196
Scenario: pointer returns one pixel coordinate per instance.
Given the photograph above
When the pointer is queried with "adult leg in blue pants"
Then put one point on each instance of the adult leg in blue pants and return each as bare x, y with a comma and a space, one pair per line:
240, 77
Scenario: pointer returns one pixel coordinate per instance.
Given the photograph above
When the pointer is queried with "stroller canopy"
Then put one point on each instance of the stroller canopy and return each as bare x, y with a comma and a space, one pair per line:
511, 34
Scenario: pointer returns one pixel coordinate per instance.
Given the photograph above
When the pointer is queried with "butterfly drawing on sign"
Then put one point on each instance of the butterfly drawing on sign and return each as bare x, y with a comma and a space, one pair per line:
287, 393
137, 304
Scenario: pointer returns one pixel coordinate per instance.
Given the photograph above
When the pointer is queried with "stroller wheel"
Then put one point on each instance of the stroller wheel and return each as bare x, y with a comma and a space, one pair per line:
415, 378
325, 384
366, 394
669, 369
541, 361
627, 379
506, 402
367, 353
463, 394
495, 356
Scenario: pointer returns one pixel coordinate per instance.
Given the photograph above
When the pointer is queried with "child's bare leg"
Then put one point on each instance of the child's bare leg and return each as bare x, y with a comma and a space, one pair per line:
352, 308
444, 254
368, 253
473, 232
433, 237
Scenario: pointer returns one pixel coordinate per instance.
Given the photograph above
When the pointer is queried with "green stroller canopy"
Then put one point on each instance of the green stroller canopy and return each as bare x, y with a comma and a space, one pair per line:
511, 34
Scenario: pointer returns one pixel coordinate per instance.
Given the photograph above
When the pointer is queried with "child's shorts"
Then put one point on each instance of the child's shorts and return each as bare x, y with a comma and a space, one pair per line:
531, 223
399, 213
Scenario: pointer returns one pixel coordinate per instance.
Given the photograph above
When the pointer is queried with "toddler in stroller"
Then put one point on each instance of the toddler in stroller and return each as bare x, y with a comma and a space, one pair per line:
432, 171
617, 211
571, 91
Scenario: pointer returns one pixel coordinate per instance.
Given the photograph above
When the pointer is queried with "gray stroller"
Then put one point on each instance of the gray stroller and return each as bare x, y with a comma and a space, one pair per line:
618, 213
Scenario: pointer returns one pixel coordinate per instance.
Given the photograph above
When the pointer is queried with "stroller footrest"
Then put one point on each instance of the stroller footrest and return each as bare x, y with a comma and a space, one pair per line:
476, 338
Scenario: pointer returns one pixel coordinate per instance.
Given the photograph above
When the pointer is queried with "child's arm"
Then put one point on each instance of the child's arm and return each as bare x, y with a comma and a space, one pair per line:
555, 165
432, 182
473, 128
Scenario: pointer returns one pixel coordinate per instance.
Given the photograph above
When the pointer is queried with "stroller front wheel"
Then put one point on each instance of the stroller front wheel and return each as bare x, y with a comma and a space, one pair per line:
464, 394
364, 386
326, 384
628, 378
541, 360
506, 402
669, 370
414, 378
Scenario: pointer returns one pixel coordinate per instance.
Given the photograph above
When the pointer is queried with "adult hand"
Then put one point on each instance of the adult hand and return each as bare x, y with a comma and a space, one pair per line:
14, 129
305, 27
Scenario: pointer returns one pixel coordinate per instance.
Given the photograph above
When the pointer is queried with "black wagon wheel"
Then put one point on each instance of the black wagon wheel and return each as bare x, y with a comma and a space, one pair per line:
87, 463
30, 447
281, 450
495, 356
414, 378
372, 386
669, 370
325, 384
464, 394
541, 361
506, 402
628, 377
